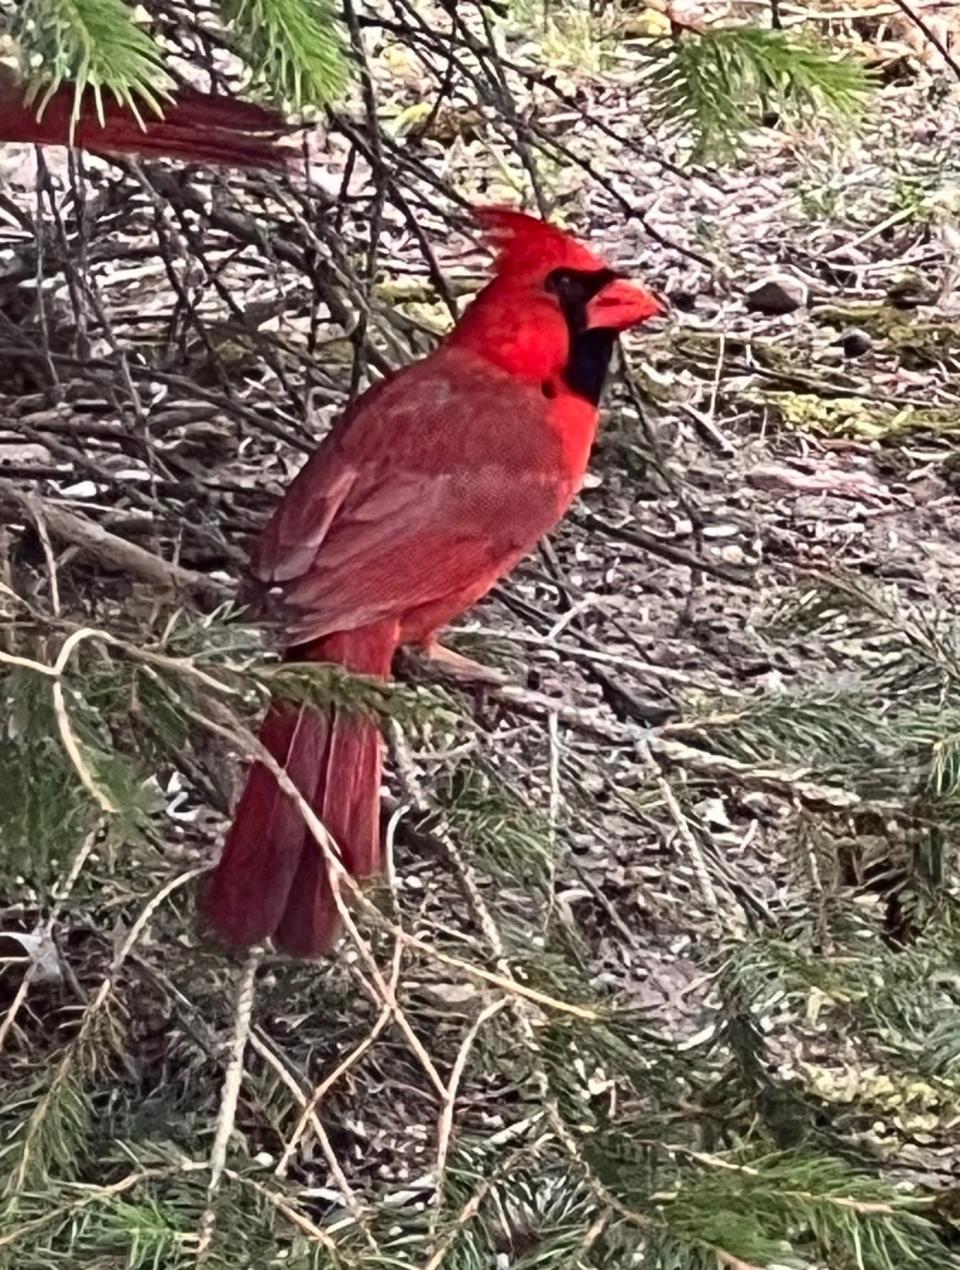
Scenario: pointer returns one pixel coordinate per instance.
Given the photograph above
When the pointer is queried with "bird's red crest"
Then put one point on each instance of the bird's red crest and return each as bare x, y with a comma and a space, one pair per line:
524, 242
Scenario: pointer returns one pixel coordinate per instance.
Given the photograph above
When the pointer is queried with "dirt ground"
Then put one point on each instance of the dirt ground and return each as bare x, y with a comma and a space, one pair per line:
685, 770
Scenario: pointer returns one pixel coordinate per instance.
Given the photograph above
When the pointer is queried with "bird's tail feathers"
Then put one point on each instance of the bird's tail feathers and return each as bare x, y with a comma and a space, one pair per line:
196, 127
272, 880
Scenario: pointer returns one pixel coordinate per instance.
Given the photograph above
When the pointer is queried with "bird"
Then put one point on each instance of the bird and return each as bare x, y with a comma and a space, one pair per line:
424, 493
195, 127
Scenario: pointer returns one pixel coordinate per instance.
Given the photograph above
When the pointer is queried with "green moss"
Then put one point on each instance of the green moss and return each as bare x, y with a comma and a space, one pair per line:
854, 416
918, 342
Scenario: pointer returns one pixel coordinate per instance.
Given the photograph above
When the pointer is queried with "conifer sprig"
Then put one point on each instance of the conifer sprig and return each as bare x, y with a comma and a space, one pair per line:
293, 49
96, 44
714, 84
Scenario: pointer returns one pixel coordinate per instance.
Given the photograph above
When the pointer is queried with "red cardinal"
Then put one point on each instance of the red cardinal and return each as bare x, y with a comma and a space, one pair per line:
436, 482
196, 127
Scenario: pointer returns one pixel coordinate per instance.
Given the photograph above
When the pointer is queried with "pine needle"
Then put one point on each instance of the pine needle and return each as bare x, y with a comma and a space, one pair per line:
296, 46
96, 44
714, 84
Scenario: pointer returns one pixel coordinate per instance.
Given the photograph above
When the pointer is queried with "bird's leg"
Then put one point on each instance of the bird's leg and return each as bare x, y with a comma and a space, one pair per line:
465, 669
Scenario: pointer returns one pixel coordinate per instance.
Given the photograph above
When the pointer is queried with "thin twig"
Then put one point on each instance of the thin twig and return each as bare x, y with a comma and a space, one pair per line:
227, 1114
110, 550
929, 34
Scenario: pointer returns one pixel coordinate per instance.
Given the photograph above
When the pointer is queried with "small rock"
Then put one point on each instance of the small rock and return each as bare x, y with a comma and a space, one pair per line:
21, 950
453, 995
713, 811
855, 342
777, 295
910, 293
685, 301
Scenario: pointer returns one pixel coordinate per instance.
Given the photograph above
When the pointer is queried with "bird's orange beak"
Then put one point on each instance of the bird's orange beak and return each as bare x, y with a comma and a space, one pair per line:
622, 304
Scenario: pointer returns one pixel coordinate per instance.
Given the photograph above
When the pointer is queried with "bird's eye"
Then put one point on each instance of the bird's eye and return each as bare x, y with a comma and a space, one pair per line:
562, 282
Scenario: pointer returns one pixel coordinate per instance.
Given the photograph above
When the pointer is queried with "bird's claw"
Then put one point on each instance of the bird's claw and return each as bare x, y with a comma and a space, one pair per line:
464, 669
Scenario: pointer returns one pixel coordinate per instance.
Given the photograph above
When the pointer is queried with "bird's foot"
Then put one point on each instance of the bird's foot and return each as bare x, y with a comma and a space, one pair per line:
463, 669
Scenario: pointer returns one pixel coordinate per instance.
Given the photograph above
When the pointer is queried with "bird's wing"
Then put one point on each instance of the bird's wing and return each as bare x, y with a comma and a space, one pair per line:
435, 483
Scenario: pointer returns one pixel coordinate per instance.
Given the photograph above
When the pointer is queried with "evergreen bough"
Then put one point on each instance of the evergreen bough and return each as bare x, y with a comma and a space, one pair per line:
293, 50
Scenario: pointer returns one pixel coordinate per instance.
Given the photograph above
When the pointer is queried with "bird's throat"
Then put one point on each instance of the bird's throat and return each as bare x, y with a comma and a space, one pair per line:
586, 370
